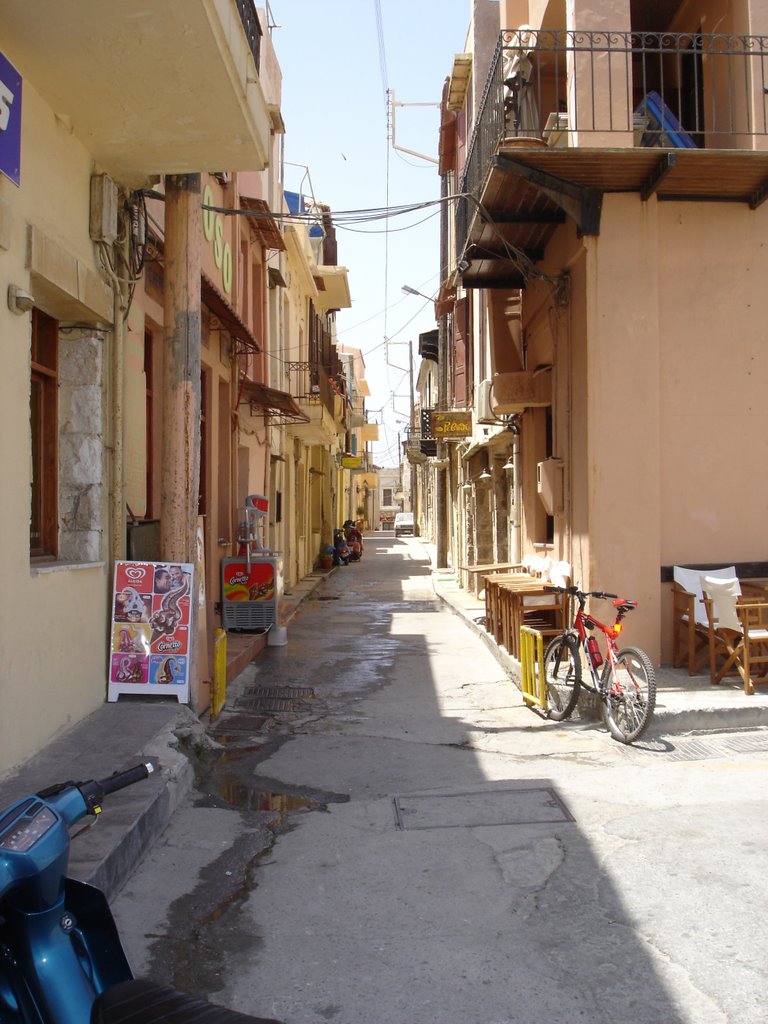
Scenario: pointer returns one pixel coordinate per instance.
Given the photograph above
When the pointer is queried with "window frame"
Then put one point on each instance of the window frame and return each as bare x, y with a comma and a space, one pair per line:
44, 432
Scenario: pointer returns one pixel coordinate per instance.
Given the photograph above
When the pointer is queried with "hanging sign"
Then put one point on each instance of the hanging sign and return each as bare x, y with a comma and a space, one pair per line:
446, 425
150, 642
10, 121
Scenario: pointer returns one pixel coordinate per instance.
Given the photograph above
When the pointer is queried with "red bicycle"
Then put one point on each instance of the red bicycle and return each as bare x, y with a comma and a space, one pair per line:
623, 680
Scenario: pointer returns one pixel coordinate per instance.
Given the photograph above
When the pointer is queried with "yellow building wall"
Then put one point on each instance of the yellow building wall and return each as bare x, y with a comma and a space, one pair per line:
54, 618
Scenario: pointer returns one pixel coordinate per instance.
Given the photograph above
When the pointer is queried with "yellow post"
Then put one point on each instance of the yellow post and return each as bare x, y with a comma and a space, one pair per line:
533, 684
219, 685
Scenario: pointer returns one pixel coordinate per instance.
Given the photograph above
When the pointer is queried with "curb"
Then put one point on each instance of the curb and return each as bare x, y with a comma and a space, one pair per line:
666, 719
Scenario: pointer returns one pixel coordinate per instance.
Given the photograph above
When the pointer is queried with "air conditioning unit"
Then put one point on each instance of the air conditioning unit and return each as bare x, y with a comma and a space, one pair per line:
549, 483
485, 413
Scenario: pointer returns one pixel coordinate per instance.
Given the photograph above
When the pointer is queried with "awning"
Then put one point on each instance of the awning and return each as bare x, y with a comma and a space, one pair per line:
263, 222
226, 316
279, 404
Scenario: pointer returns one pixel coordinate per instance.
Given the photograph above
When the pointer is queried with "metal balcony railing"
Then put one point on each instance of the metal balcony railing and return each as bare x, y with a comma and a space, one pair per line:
250, 21
311, 384
617, 89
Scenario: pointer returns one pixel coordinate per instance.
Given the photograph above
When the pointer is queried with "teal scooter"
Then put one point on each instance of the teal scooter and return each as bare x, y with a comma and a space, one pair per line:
61, 959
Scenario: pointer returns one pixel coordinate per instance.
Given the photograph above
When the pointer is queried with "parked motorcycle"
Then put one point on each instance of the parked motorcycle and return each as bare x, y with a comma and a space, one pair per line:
61, 959
354, 539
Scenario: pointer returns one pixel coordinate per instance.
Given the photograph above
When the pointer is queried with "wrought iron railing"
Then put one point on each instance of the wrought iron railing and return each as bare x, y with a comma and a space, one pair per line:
250, 21
609, 89
312, 384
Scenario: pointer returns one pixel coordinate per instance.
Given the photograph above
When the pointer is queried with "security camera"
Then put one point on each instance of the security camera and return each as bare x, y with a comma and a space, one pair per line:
19, 301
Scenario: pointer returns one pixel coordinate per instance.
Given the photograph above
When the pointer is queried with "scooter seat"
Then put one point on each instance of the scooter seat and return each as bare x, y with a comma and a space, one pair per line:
143, 1002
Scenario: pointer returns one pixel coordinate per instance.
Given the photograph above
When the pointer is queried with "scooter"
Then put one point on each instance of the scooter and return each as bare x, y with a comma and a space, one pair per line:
61, 960
354, 539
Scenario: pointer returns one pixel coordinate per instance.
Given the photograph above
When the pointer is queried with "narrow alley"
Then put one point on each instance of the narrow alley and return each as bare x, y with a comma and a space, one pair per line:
381, 831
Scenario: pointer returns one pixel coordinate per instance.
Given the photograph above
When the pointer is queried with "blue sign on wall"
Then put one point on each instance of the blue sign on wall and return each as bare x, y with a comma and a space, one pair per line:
10, 121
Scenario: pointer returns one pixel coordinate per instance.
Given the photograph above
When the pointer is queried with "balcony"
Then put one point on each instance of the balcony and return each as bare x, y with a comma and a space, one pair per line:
567, 116
320, 400
169, 87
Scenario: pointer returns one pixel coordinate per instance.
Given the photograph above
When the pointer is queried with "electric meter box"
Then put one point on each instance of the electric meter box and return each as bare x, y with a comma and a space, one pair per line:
549, 482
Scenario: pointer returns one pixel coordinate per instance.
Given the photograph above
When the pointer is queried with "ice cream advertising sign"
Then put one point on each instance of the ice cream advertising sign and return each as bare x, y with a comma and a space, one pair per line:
150, 642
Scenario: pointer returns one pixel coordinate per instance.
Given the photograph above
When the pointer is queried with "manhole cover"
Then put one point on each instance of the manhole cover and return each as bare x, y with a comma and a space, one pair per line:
481, 807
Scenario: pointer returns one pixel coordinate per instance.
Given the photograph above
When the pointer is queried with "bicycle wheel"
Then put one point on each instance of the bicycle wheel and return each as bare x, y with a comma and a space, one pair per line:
628, 699
562, 672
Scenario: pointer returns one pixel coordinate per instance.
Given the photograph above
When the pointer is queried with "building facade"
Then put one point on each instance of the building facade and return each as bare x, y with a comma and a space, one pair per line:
611, 161
169, 341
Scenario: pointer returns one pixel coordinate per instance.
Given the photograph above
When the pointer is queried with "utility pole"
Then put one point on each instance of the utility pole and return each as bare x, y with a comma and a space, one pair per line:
181, 427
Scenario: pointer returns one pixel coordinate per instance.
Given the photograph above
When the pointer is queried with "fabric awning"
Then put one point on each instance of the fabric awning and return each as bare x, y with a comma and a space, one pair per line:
226, 315
263, 222
280, 405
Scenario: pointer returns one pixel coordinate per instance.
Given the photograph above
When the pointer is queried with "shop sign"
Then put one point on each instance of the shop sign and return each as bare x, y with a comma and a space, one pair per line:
447, 425
352, 461
213, 229
10, 121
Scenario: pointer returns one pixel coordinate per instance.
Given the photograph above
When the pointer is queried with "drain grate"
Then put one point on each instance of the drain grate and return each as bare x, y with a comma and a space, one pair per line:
274, 698
479, 808
718, 746
284, 692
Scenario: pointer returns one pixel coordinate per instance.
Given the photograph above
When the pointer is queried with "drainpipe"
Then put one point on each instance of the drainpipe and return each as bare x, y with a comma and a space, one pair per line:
117, 543
517, 524
118, 432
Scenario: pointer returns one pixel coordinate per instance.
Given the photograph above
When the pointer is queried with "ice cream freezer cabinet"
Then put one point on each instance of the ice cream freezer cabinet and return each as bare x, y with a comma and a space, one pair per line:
250, 591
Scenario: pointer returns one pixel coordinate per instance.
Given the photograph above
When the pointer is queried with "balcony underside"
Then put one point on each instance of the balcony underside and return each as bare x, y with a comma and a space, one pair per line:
529, 192
148, 88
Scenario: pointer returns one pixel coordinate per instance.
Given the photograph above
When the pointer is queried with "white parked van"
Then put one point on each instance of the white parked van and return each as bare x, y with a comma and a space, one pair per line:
404, 523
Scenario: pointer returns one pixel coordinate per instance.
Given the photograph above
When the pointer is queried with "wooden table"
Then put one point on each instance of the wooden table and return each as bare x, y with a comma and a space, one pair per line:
493, 597
476, 572
506, 610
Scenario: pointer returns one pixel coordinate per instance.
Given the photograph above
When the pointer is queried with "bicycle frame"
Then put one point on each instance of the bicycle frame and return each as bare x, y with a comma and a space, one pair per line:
623, 680
584, 624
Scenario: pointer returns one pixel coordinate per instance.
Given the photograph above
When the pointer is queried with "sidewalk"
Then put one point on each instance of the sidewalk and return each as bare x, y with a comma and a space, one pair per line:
683, 703
118, 735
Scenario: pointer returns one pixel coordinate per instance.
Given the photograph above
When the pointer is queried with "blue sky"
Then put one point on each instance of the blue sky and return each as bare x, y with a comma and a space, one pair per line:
336, 66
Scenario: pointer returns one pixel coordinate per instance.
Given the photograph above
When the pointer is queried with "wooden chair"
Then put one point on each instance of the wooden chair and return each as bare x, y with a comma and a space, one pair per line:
738, 632
548, 613
690, 638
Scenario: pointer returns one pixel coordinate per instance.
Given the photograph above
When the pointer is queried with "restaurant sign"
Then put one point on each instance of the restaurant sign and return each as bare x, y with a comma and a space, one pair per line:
448, 425
10, 121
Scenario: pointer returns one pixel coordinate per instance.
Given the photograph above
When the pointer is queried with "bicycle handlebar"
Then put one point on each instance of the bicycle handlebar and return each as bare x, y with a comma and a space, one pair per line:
582, 595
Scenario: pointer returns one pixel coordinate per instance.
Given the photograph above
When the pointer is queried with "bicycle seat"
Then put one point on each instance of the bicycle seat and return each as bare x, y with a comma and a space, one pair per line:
623, 605
143, 1002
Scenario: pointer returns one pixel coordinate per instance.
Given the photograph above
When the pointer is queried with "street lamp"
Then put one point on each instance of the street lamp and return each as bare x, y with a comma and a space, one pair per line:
412, 291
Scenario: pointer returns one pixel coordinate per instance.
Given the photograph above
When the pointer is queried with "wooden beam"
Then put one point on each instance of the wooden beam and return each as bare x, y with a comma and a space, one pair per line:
660, 171
759, 196
582, 203
528, 217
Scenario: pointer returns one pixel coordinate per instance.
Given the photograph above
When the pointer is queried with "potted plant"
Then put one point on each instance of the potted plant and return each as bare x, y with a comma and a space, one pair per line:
325, 558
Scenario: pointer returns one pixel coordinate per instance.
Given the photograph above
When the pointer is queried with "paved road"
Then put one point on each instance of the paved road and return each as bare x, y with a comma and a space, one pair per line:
410, 844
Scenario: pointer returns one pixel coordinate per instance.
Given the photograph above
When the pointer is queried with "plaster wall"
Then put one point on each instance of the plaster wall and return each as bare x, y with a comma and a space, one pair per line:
675, 314
623, 406
54, 616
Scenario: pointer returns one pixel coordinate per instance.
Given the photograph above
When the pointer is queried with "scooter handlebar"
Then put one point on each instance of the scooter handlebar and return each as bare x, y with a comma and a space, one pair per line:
93, 792
119, 780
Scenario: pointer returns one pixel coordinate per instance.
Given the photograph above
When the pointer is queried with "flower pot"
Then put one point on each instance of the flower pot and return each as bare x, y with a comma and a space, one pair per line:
326, 563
